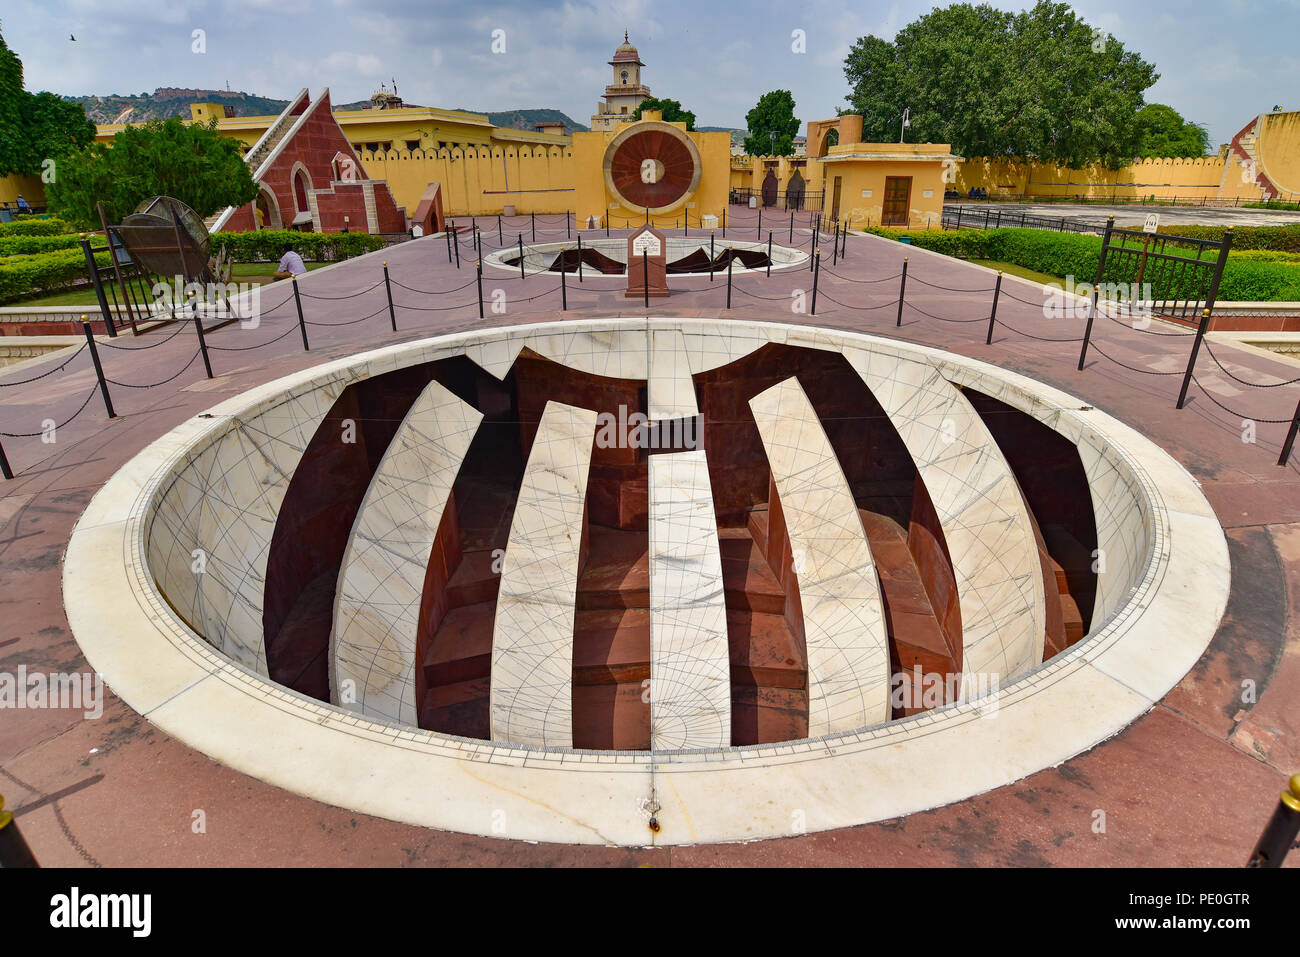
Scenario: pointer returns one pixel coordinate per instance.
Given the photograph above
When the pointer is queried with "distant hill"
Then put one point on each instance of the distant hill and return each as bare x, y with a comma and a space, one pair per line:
737, 136
527, 119
166, 102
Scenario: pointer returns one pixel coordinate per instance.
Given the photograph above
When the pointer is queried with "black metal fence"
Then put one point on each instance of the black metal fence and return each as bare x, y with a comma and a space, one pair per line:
1114, 199
963, 217
811, 200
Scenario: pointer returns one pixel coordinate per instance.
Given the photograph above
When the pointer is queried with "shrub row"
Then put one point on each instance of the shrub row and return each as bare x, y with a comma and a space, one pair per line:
28, 245
25, 276
36, 227
267, 245
1280, 238
1071, 254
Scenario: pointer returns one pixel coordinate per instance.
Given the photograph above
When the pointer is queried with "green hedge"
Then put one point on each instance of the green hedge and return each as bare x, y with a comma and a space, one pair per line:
36, 227
28, 245
1070, 254
1281, 238
24, 276
266, 245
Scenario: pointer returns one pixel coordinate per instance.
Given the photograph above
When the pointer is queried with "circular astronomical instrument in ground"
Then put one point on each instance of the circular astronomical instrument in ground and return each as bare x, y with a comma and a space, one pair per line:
652, 166
544, 582
686, 256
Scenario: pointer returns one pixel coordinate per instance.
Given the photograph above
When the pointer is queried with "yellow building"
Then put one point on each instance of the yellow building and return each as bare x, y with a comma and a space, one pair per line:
861, 184
411, 146
652, 170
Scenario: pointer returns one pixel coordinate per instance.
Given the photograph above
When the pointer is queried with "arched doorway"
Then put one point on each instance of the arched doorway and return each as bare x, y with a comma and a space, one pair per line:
300, 187
832, 138
267, 211
769, 188
794, 191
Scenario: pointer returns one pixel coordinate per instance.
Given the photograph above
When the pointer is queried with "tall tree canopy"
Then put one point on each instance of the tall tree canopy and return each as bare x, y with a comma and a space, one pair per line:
1039, 84
774, 113
35, 127
671, 109
189, 161
1163, 132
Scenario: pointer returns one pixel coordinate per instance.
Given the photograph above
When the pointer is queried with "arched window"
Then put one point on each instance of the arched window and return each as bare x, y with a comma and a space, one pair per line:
300, 187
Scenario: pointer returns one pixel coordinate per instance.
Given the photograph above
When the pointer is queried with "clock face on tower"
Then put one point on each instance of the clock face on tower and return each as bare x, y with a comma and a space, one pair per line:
652, 165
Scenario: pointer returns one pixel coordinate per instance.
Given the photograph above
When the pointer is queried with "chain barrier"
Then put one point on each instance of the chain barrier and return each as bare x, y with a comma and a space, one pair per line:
150, 385
31, 435
1252, 418
61, 365
1253, 385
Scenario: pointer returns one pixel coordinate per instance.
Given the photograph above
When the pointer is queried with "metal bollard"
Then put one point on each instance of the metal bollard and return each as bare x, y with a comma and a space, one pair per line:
993, 313
392, 316
1280, 832
302, 323
817, 269
99, 369
203, 343
902, 289
14, 851
479, 278
4, 463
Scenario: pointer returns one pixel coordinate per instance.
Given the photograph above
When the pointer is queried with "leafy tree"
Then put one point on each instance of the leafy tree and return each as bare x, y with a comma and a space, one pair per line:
774, 113
672, 111
189, 161
35, 126
1039, 84
1163, 132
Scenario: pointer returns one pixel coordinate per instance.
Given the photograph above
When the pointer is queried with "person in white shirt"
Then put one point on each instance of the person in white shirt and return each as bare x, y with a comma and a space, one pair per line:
291, 264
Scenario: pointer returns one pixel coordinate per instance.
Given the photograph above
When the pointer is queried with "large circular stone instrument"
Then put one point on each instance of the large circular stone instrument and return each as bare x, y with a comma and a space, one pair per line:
653, 166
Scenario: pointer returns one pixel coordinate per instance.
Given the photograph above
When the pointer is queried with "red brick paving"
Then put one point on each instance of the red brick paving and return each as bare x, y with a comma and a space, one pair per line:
1189, 784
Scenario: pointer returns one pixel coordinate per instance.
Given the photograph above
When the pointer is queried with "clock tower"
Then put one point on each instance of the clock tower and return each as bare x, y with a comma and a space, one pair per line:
625, 93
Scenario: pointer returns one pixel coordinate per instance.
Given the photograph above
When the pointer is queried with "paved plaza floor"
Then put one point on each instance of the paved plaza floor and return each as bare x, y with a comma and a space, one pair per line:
1191, 783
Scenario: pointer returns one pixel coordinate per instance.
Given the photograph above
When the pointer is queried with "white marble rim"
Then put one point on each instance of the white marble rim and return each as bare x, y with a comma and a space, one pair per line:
799, 257
165, 671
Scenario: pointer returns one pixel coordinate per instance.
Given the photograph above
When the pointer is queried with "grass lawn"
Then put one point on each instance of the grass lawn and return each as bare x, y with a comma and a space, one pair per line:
86, 297
1014, 270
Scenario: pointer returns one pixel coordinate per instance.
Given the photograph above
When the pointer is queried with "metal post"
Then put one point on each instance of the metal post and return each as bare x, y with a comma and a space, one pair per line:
1096, 284
1280, 833
724, 222
99, 369
203, 343
1287, 446
902, 289
500, 241
5, 470
1191, 360
730, 256
817, 269
607, 224
302, 323
792, 226
567, 233
455, 241
711, 257
392, 316
645, 276
533, 219
993, 313
760, 223
478, 277
564, 288
835, 244
14, 851
958, 217
99, 286
769, 254
579, 257
521, 256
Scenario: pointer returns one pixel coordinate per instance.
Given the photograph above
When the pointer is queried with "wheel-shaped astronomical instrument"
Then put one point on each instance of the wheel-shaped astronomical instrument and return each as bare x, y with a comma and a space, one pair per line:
653, 166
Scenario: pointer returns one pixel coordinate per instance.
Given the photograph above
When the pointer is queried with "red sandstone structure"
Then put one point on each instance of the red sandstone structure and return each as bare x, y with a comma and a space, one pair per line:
310, 179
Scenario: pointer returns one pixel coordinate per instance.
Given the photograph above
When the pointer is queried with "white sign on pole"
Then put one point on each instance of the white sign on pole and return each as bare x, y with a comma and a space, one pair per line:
1152, 224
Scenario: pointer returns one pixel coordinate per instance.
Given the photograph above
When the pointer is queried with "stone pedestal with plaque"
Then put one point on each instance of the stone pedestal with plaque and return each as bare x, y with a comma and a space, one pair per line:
647, 264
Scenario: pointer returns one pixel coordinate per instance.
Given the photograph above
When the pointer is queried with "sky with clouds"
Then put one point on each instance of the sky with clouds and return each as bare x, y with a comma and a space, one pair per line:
1221, 61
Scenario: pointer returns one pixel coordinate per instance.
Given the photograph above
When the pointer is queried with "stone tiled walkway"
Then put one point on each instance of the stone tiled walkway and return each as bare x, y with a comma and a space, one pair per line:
1190, 783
